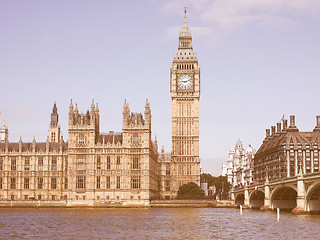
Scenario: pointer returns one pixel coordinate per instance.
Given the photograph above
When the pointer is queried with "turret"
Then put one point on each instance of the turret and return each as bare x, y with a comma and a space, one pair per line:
147, 113
54, 127
71, 113
125, 113
156, 142
20, 144
4, 133
84, 127
92, 107
97, 122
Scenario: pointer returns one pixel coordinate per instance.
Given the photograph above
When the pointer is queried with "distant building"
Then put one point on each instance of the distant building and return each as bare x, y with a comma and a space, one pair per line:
3, 133
204, 187
285, 151
239, 167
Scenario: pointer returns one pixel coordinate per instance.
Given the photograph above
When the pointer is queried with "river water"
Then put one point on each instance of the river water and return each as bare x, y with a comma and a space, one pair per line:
154, 223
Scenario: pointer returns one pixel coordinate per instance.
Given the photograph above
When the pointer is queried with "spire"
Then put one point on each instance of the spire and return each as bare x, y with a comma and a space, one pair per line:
76, 109
125, 106
97, 108
54, 116
239, 143
185, 28
92, 104
147, 104
185, 14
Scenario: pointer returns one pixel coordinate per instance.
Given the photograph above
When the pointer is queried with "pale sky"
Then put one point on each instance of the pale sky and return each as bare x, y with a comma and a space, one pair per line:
259, 60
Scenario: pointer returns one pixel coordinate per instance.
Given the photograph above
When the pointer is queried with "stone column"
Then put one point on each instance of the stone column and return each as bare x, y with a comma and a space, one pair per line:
301, 197
312, 163
267, 202
246, 197
232, 194
304, 162
296, 164
288, 163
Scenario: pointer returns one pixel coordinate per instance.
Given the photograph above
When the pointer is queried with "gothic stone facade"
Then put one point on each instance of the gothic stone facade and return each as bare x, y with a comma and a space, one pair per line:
90, 168
115, 168
185, 95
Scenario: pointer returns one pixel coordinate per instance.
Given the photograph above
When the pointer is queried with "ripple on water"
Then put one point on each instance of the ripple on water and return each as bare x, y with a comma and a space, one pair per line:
178, 223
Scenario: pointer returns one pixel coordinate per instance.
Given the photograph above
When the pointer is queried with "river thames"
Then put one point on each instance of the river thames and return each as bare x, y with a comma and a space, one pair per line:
154, 223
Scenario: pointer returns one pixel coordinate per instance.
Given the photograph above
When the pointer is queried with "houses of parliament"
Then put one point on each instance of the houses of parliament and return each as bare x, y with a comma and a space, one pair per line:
94, 169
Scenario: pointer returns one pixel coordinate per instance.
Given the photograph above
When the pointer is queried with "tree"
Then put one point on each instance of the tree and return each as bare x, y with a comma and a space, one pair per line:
221, 183
190, 191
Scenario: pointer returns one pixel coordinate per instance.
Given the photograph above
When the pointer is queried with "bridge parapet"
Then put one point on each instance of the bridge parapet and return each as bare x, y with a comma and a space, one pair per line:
299, 191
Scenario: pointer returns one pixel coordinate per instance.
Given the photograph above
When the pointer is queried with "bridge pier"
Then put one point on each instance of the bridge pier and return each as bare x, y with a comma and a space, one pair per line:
246, 198
301, 196
232, 194
267, 202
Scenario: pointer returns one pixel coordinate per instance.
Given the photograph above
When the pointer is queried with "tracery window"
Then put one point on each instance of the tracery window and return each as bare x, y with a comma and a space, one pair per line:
13, 183
98, 182
40, 183
54, 163
118, 162
135, 162
53, 183
135, 139
98, 162
13, 164
81, 139
81, 182
1, 163
26, 183
108, 182
135, 182
108, 163
118, 182
40, 162
81, 164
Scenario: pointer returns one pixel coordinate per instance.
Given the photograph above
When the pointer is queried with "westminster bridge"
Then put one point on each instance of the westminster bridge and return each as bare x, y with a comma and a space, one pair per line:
300, 194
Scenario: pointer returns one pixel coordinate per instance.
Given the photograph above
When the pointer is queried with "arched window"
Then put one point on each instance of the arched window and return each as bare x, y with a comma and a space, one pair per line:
135, 139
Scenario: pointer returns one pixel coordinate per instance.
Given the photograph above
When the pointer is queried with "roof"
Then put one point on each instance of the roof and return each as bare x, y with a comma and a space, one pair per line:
40, 146
110, 138
274, 143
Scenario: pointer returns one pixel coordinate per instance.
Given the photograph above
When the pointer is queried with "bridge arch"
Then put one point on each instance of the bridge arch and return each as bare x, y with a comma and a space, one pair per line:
239, 199
256, 199
313, 197
284, 197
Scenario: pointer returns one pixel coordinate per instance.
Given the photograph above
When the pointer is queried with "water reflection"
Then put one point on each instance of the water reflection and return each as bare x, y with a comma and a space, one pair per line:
161, 223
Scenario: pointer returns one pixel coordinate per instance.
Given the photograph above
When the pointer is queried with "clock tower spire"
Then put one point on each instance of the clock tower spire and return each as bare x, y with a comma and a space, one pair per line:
185, 96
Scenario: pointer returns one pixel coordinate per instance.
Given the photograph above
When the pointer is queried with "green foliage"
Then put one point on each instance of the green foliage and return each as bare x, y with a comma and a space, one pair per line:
221, 182
190, 191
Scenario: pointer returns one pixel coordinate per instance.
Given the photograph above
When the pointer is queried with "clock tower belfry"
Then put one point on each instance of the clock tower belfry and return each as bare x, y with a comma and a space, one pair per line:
185, 95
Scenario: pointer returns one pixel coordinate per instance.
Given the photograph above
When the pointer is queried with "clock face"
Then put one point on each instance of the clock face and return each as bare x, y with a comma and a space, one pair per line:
185, 82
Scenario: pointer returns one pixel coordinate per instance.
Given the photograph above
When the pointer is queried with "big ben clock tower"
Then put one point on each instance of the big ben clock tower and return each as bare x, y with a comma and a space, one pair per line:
185, 95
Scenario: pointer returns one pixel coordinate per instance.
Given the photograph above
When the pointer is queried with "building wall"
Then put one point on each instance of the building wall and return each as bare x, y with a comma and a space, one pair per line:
239, 167
286, 151
91, 167
185, 95
33, 171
